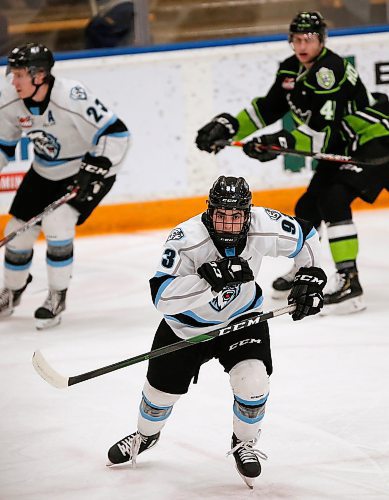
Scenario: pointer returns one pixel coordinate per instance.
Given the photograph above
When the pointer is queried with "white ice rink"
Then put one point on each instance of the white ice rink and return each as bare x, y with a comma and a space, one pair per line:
326, 429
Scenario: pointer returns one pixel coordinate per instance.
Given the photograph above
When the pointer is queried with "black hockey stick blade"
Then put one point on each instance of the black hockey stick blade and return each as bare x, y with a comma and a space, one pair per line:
315, 156
47, 372
37, 218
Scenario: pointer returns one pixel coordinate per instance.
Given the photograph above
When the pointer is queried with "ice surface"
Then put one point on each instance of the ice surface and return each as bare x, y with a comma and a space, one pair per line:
326, 428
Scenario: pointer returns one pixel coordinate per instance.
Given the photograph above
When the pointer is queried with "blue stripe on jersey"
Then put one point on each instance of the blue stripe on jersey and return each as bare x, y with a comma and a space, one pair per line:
119, 134
100, 132
3, 142
300, 242
312, 232
163, 286
8, 158
24, 142
54, 163
253, 304
189, 318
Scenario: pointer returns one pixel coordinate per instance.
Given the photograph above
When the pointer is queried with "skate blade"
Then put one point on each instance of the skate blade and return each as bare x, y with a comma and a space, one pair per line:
249, 481
44, 324
350, 306
279, 294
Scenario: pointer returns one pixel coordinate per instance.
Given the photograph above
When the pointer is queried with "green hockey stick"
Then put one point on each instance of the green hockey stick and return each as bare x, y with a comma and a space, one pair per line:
59, 381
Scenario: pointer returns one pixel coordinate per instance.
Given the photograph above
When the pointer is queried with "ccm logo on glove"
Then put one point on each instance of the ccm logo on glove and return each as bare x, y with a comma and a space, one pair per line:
307, 292
308, 277
227, 271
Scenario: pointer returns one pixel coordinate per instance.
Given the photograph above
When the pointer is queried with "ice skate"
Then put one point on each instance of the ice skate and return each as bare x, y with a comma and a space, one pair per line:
11, 298
283, 284
347, 295
128, 448
246, 459
49, 314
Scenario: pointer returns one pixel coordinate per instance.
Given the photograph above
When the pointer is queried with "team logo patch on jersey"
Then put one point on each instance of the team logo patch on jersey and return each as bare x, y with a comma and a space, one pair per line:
45, 145
25, 121
78, 93
325, 78
228, 294
288, 83
176, 234
273, 214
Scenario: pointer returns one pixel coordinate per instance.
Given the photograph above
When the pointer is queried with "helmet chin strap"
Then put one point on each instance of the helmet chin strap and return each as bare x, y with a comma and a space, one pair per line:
37, 87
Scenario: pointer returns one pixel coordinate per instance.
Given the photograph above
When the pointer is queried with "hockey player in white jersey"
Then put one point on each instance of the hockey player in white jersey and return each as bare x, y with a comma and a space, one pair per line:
77, 142
206, 280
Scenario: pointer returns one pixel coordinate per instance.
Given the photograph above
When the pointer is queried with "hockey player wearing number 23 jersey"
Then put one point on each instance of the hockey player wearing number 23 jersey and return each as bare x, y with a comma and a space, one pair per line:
206, 280
77, 142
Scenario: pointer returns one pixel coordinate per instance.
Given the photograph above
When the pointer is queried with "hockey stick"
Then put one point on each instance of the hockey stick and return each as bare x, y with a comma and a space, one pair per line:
55, 379
315, 156
34, 220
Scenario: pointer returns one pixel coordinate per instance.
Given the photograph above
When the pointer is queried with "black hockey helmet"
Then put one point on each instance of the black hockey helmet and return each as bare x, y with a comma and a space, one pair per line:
308, 22
32, 56
229, 193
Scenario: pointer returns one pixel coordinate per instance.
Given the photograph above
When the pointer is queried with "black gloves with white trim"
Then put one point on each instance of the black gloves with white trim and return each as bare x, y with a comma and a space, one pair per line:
307, 292
222, 128
90, 177
227, 271
283, 139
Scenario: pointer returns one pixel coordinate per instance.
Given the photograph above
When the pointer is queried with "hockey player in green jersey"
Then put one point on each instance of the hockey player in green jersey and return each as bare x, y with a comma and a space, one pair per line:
367, 135
319, 88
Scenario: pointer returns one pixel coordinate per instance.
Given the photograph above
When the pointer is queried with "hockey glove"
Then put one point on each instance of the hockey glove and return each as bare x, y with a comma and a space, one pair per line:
283, 139
307, 292
222, 127
90, 177
227, 271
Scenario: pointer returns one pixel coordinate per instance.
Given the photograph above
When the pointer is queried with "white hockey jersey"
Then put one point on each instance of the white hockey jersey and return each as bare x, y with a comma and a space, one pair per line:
74, 122
189, 305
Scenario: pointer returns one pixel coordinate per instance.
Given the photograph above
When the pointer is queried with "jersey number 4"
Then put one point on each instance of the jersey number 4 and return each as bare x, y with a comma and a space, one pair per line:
328, 110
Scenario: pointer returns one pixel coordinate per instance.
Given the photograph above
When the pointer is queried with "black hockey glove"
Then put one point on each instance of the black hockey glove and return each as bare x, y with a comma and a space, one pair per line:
307, 292
227, 271
90, 177
222, 127
282, 139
